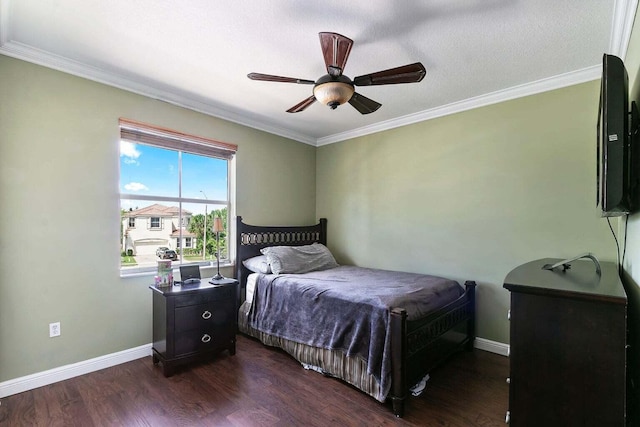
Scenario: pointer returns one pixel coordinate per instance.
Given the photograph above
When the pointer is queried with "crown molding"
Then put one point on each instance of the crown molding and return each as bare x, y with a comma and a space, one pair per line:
551, 83
46, 59
624, 13
622, 25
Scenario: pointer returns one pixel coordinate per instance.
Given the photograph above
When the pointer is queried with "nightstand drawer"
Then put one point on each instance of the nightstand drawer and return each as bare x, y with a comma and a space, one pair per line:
202, 316
201, 297
202, 340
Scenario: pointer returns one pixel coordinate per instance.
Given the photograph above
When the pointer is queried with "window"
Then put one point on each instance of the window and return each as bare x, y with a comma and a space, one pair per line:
177, 184
155, 222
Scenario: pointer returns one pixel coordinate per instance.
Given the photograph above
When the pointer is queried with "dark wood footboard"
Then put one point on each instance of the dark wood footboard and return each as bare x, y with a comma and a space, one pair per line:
420, 345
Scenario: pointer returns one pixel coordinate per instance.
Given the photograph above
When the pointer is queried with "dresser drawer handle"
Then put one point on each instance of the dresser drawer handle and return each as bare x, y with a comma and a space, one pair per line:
507, 418
206, 338
206, 315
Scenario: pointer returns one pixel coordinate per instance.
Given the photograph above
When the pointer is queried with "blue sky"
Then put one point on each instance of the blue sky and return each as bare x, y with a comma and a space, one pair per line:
152, 171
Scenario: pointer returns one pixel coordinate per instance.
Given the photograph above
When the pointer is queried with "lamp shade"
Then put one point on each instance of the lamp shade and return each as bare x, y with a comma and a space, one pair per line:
333, 93
217, 225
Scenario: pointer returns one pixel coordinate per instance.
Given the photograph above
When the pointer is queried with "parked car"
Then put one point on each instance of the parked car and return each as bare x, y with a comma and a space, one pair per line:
161, 250
170, 254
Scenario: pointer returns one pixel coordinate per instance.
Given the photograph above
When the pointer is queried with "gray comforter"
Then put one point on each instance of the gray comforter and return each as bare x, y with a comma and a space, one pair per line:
346, 308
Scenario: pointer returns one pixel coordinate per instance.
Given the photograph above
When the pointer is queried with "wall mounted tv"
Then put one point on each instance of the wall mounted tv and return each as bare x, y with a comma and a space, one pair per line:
617, 148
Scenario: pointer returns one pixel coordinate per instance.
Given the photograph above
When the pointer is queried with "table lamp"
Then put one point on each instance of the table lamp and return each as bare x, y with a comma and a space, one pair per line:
217, 228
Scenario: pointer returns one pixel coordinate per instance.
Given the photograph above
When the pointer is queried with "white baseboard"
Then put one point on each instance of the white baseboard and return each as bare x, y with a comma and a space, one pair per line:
492, 346
29, 382
62, 373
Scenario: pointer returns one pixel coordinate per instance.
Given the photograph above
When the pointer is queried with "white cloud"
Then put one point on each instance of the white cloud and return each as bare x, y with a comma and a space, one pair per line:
129, 149
135, 186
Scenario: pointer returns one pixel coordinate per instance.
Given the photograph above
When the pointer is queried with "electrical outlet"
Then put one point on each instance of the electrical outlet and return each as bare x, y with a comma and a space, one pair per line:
54, 329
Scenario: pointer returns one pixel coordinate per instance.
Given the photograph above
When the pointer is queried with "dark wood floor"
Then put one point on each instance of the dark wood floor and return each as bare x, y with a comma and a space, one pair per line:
259, 386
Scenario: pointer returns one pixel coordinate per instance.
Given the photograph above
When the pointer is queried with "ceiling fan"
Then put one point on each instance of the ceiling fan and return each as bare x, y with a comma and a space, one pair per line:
334, 88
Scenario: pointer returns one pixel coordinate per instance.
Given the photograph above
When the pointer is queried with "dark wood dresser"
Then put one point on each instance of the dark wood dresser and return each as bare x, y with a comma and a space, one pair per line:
193, 322
568, 345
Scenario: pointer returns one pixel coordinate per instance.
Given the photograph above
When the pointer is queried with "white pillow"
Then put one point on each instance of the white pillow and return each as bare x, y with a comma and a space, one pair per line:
299, 259
258, 264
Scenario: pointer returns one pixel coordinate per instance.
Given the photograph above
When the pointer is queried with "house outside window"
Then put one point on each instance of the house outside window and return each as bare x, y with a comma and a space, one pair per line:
177, 184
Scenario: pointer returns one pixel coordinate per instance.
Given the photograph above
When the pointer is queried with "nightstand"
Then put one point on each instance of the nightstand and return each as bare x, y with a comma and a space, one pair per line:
193, 322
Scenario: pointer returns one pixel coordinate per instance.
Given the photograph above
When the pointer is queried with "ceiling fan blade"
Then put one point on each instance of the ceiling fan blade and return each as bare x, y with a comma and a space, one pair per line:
270, 78
363, 104
302, 105
335, 48
411, 73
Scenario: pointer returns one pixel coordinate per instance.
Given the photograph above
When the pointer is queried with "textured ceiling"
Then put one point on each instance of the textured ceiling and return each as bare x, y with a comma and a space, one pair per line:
197, 53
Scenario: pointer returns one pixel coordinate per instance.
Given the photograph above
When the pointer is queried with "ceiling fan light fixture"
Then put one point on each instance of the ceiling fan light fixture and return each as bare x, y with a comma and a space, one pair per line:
334, 88
333, 93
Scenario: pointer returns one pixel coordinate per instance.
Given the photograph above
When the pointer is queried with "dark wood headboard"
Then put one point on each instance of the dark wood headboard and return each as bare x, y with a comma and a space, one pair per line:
251, 238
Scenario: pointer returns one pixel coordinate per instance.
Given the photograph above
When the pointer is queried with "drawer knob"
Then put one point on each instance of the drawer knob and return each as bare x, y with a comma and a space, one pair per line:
509, 315
508, 380
206, 315
507, 418
206, 338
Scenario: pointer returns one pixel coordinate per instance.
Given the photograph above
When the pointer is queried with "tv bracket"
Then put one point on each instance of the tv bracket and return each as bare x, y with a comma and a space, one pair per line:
566, 263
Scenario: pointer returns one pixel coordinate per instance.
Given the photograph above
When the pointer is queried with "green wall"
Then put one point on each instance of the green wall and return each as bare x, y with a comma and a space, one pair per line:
470, 195
59, 220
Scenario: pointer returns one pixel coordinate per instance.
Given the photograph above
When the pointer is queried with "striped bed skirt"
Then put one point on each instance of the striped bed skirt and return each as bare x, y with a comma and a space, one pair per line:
335, 363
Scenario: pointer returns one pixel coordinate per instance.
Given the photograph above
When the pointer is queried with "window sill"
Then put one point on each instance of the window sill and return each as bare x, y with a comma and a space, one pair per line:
153, 271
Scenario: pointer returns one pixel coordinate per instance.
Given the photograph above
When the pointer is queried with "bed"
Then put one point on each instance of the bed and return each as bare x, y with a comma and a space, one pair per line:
415, 338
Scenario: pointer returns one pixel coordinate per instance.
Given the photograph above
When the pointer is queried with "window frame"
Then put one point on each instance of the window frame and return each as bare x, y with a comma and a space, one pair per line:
159, 137
158, 220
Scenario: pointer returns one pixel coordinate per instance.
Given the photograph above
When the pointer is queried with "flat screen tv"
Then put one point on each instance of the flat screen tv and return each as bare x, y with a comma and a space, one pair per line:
617, 136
